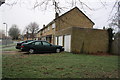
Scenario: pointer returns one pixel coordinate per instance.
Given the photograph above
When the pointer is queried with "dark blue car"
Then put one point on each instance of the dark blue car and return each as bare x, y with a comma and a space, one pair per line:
41, 46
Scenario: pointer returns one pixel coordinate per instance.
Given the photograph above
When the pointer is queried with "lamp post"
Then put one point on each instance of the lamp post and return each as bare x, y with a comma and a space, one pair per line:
6, 32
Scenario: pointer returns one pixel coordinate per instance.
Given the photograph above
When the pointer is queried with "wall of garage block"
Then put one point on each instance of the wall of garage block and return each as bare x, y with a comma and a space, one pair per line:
86, 40
89, 40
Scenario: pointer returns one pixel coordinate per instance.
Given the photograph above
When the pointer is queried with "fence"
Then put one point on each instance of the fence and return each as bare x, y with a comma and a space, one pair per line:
6, 41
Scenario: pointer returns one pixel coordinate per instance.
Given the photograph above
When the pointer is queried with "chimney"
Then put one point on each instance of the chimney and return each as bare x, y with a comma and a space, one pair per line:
56, 15
43, 26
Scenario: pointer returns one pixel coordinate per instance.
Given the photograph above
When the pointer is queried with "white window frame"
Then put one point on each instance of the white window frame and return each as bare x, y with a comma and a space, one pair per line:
53, 26
48, 28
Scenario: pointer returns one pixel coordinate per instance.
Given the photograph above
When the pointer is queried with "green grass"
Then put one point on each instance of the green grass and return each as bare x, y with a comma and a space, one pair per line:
59, 65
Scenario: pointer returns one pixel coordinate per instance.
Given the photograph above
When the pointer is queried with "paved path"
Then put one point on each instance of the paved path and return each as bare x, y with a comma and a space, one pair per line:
8, 46
12, 52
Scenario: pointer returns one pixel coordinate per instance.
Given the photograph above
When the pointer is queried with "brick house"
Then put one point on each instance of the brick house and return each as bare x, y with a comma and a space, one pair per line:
67, 29
74, 17
28, 36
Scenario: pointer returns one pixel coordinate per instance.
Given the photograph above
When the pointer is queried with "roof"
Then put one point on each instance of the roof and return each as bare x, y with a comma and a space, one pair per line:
65, 14
77, 9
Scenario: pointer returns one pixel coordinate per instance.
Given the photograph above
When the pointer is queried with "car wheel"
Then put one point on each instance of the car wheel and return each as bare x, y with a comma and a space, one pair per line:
31, 51
58, 50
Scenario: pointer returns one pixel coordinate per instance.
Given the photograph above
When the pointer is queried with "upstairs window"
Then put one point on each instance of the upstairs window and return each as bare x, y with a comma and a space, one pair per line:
48, 28
43, 31
53, 26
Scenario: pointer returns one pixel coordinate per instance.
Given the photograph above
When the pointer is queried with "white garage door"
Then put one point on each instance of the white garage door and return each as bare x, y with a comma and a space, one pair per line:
60, 40
67, 43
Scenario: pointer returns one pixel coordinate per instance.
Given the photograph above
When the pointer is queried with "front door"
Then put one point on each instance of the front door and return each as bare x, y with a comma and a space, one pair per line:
60, 40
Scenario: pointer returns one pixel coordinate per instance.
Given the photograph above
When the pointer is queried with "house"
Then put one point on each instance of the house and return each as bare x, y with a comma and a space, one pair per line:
29, 36
74, 17
74, 30
2, 35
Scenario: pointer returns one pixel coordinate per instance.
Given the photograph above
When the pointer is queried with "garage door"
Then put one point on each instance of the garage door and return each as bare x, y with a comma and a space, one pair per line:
67, 43
60, 40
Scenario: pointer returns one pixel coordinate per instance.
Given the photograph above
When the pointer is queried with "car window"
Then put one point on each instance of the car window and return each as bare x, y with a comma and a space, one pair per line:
38, 43
21, 41
30, 42
46, 44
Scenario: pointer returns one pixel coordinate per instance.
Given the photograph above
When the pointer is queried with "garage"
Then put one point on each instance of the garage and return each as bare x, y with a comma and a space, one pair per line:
67, 43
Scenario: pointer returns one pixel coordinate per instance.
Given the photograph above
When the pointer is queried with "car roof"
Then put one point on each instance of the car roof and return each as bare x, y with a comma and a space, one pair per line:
39, 40
29, 40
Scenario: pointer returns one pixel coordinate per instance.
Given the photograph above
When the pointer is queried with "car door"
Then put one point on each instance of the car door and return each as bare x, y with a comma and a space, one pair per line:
47, 47
38, 46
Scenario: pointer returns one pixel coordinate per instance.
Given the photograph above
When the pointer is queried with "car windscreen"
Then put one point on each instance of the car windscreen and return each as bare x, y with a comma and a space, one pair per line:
21, 41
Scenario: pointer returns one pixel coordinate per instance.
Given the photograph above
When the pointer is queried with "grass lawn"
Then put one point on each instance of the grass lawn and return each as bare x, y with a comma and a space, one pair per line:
59, 65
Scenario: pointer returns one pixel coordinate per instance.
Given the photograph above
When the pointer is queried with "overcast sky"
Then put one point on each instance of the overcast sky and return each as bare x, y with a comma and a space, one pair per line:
22, 15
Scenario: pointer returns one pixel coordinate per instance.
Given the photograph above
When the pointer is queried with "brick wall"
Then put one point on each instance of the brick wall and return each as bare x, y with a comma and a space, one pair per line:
73, 18
86, 40
89, 40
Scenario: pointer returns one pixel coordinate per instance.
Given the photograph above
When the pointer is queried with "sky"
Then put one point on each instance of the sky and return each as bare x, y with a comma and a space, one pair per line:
23, 14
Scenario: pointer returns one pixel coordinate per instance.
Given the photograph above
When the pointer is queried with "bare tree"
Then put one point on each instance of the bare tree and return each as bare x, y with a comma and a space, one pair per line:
14, 31
114, 20
56, 5
46, 4
32, 28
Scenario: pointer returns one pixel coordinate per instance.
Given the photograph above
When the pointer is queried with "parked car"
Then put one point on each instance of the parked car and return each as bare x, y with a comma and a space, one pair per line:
18, 46
40, 46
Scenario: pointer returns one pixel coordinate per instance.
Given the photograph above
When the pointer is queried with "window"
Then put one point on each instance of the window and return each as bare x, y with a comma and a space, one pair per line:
48, 28
44, 30
38, 43
53, 25
46, 44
